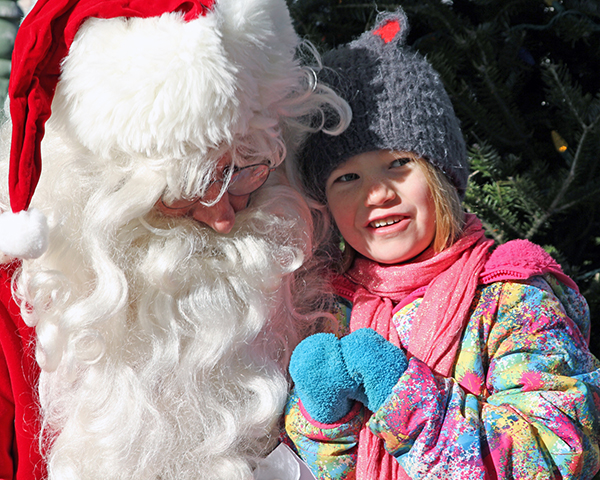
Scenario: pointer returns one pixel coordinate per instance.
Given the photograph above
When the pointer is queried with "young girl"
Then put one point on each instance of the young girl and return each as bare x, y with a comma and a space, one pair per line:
463, 361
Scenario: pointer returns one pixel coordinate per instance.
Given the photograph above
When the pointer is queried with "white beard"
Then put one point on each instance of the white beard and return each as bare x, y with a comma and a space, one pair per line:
164, 351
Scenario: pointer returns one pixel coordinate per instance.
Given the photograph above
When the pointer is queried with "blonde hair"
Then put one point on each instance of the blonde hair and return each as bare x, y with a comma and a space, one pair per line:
449, 213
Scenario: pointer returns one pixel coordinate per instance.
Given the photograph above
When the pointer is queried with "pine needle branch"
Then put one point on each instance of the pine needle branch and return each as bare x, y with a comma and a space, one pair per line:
555, 206
483, 69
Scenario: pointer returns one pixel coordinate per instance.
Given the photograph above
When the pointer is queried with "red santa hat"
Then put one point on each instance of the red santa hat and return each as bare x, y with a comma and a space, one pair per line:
150, 77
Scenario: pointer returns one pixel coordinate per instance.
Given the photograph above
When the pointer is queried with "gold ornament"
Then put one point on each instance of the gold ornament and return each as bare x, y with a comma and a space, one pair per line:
559, 143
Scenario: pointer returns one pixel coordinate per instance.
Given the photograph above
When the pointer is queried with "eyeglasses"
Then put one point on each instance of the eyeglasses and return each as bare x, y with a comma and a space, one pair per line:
243, 181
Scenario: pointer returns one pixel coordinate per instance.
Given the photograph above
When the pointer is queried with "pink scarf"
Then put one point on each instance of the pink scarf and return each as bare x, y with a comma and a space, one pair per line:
449, 280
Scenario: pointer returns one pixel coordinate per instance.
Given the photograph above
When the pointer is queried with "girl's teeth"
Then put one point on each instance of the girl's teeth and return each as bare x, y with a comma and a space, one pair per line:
385, 222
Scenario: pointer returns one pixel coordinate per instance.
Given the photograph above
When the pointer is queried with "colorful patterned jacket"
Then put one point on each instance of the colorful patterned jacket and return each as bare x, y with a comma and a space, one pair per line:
523, 402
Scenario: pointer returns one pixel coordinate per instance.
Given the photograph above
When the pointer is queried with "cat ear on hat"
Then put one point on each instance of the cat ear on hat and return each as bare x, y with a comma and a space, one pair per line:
392, 28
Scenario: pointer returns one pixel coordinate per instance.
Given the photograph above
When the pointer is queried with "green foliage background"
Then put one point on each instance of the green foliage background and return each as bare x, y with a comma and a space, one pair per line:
523, 77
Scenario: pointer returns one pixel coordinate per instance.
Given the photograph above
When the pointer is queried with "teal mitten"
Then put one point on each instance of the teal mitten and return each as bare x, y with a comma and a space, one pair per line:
374, 363
330, 374
321, 379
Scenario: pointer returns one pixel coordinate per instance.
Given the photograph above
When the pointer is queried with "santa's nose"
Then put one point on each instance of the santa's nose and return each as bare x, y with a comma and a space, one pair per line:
220, 216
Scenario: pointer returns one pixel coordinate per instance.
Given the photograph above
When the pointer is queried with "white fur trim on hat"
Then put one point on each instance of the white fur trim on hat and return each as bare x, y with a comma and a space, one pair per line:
24, 234
151, 84
162, 86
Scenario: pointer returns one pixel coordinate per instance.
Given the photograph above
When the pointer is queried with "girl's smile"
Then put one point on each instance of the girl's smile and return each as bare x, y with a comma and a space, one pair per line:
386, 222
382, 205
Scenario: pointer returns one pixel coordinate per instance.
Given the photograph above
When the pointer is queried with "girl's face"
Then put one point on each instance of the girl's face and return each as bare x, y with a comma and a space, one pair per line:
382, 205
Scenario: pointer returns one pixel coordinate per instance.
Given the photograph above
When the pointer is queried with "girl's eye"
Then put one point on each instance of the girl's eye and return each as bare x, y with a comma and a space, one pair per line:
400, 162
347, 177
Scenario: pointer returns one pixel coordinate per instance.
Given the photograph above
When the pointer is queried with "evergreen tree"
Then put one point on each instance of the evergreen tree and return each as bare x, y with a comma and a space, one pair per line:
522, 75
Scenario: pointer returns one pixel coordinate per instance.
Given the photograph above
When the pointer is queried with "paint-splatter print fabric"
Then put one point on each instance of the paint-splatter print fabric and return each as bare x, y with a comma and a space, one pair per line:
523, 402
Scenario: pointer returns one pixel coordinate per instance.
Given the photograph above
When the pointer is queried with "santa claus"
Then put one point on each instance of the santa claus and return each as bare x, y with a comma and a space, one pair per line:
149, 292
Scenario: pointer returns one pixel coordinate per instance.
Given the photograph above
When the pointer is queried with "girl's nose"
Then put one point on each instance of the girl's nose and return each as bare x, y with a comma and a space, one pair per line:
378, 193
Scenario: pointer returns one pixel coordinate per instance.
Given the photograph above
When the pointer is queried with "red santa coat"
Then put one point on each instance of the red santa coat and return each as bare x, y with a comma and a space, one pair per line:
20, 457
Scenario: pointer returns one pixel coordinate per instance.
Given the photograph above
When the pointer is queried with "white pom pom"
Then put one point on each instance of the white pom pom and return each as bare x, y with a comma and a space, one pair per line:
24, 234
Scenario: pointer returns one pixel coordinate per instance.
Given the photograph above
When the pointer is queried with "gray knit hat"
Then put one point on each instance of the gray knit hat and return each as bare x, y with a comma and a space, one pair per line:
398, 103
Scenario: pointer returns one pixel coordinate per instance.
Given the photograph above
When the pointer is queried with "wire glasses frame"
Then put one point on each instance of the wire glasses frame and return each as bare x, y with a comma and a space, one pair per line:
243, 181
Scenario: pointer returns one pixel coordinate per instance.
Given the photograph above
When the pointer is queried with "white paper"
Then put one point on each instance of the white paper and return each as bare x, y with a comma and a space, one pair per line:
283, 464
